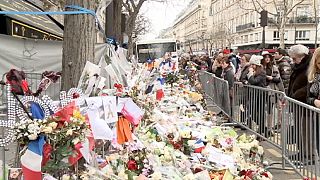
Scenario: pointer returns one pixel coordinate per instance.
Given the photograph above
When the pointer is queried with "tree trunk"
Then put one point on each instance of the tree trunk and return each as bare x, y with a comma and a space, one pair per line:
129, 32
315, 5
282, 32
78, 44
117, 5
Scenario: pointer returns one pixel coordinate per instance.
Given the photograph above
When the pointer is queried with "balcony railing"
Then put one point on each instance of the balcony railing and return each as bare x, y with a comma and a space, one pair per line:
302, 20
294, 20
244, 27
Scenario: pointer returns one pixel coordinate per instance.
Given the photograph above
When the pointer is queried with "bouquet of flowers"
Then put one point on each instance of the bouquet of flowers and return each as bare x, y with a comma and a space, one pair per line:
63, 133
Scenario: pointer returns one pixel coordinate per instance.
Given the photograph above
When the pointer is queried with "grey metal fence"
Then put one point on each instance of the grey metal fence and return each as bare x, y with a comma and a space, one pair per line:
259, 110
301, 138
216, 89
289, 125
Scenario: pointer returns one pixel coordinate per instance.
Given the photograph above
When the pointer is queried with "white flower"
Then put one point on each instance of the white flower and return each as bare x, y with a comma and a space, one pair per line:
47, 130
66, 177
69, 132
260, 150
75, 141
53, 125
32, 136
33, 128
22, 126
156, 176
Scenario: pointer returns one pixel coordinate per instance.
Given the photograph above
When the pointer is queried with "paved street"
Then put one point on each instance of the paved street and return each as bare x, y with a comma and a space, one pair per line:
272, 155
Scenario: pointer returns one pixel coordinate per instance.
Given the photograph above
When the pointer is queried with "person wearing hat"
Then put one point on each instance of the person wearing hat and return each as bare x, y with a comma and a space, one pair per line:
257, 77
273, 82
273, 76
282, 60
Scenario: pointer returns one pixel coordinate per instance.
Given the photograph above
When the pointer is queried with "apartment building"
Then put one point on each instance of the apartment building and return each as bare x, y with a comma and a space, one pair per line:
236, 24
190, 27
211, 24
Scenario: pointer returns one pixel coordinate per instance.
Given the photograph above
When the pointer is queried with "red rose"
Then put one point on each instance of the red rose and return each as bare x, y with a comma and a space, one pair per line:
177, 145
196, 170
265, 174
132, 165
47, 148
75, 95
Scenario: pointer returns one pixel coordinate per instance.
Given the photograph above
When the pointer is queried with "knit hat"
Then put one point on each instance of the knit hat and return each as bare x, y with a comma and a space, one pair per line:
256, 60
264, 53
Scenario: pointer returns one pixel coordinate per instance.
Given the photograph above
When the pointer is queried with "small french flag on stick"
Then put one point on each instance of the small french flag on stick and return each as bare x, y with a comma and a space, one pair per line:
31, 160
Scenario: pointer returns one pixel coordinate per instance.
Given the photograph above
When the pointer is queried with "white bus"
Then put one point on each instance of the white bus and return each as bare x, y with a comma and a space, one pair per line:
155, 49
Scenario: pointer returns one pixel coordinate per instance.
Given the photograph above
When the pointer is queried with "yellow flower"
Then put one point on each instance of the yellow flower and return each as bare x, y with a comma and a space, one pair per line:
75, 141
76, 114
53, 125
69, 132
47, 130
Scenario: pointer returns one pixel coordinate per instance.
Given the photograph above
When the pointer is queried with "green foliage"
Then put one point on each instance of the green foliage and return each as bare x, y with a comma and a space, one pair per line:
172, 78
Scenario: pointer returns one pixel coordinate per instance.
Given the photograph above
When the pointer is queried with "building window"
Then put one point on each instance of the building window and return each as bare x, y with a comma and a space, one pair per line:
276, 35
302, 35
256, 37
251, 38
246, 39
303, 11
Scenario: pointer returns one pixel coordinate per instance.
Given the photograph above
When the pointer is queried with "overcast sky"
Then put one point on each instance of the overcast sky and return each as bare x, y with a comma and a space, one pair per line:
162, 15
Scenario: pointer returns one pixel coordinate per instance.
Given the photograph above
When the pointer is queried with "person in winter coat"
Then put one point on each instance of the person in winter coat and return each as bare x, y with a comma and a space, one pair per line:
313, 97
243, 95
273, 76
283, 63
274, 82
257, 77
298, 80
244, 68
228, 75
217, 67
298, 132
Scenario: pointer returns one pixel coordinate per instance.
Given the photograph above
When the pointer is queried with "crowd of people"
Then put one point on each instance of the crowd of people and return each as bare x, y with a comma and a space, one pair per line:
295, 71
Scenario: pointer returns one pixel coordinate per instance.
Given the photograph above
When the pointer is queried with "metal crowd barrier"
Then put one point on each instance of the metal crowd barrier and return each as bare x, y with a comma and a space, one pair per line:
301, 138
260, 111
289, 125
217, 90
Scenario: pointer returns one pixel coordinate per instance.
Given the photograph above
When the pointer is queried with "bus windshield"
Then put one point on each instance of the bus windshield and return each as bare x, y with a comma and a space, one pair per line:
154, 50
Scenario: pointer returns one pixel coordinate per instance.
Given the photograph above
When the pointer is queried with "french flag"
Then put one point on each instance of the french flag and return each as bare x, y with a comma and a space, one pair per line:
31, 160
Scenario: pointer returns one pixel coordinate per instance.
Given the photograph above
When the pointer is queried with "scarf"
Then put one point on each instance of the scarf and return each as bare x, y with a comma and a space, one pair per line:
315, 86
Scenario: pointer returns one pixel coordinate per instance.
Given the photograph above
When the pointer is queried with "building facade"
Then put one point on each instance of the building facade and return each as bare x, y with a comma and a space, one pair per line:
238, 21
216, 24
190, 27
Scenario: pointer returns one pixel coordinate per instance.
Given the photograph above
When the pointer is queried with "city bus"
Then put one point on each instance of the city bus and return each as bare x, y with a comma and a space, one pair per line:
155, 49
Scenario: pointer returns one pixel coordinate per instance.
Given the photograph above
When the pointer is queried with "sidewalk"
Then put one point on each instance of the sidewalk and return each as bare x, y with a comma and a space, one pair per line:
272, 154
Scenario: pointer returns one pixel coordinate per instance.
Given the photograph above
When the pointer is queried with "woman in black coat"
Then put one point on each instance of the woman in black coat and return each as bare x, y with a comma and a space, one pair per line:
313, 98
257, 77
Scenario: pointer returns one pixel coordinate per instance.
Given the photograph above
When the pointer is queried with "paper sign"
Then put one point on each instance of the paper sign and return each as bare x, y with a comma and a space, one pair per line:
121, 102
85, 151
110, 108
100, 128
220, 159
